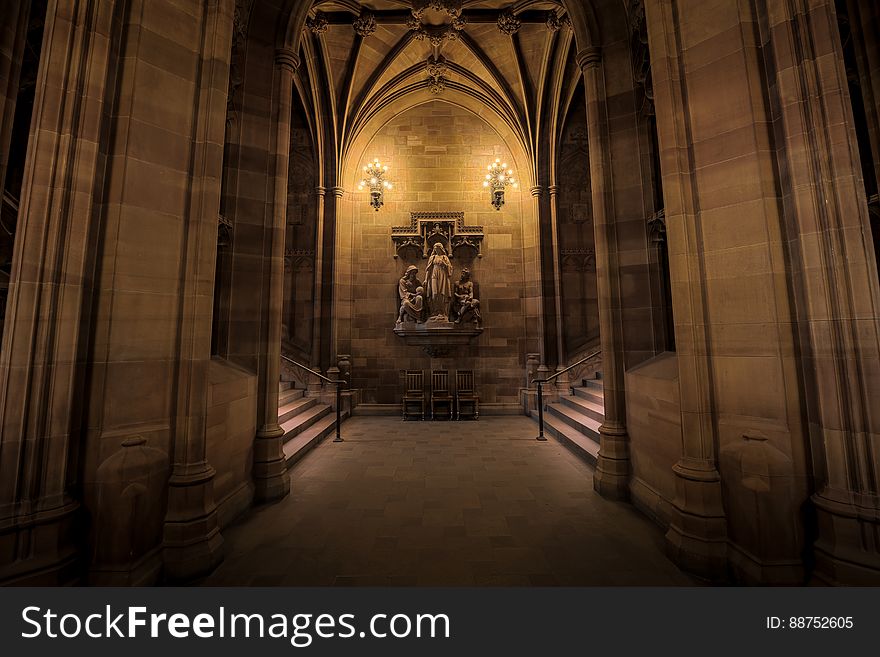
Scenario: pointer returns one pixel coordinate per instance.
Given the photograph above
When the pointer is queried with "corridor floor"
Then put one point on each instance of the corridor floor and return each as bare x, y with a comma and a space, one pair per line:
451, 503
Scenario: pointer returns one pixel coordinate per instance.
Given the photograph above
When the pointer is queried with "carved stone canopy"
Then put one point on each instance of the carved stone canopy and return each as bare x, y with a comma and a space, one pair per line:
429, 228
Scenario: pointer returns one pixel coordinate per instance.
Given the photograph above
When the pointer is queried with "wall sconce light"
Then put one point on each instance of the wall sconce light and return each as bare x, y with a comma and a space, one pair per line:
497, 180
374, 179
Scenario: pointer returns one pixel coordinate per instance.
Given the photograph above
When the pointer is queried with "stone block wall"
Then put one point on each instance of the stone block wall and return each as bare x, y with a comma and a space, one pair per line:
437, 155
653, 420
232, 419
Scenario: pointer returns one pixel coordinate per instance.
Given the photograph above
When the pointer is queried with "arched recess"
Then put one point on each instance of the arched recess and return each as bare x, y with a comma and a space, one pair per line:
436, 149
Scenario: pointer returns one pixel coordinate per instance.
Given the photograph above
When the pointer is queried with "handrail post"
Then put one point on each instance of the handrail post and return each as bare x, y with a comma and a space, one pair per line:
541, 411
338, 438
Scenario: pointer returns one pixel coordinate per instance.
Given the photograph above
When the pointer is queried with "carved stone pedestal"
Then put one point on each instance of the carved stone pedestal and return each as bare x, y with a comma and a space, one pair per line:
437, 336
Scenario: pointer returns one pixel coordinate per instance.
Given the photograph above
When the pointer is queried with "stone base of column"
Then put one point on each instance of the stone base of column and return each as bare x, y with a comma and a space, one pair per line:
271, 482
144, 572
697, 536
611, 480
845, 554
193, 545
41, 548
563, 385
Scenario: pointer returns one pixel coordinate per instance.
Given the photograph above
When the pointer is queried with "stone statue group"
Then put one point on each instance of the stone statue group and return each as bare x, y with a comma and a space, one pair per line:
437, 299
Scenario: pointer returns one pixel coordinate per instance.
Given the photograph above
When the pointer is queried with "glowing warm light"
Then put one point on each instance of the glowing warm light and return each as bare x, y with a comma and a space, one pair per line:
375, 180
497, 180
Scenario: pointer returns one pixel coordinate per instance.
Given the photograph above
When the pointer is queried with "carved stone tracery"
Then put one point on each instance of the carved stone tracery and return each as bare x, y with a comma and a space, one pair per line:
429, 228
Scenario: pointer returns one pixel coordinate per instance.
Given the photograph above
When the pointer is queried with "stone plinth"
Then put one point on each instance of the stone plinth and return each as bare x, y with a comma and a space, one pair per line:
437, 337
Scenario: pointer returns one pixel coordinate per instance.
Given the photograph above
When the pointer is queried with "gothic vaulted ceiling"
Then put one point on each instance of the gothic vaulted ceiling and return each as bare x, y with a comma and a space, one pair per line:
366, 60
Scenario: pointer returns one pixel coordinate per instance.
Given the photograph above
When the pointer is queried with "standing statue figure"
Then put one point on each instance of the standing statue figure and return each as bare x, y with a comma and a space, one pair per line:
438, 283
465, 305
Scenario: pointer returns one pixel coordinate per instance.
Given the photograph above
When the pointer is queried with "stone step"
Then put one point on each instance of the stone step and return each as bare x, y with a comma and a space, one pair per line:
575, 419
295, 448
284, 385
287, 396
592, 394
299, 423
294, 408
586, 447
589, 407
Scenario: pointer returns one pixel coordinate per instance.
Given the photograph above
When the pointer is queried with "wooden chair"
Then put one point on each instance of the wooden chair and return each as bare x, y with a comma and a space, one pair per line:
440, 393
466, 400
414, 395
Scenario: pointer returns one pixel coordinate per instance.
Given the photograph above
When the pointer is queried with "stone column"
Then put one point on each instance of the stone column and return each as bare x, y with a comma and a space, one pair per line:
192, 540
835, 278
561, 357
537, 191
697, 535
13, 35
270, 469
612, 467
330, 312
317, 315
41, 360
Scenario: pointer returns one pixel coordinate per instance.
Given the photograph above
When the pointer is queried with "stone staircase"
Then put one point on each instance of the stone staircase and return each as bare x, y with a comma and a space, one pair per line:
305, 420
575, 419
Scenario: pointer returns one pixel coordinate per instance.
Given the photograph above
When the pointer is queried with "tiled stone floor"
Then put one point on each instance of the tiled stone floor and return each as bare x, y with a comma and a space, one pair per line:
444, 503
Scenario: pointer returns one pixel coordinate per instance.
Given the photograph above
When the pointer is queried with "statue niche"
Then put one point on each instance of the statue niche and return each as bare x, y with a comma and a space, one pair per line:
454, 309
437, 312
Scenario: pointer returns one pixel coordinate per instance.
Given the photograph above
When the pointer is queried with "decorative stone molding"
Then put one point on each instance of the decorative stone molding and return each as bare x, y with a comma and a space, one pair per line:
318, 25
436, 34
451, 7
338, 192
436, 69
508, 23
589, 57
224, 231
555, 22
320, 192
365, 24
435, 338
657, 227
287, 59
240, 20
536, 191
578, 260
429, 228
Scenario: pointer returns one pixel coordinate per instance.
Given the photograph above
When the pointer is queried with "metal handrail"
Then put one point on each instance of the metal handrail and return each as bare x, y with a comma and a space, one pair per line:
570, 367
337, 382
541, 383
310, 370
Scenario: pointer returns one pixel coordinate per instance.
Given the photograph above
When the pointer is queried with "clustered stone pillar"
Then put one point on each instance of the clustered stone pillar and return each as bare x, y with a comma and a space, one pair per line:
836, 278
192, 539
270, 468
13, 36
40, 427
697, 534
317, 313
612, 467
563, 379
537, 191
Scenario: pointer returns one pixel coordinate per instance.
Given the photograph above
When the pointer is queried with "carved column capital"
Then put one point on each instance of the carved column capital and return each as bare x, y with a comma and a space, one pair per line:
320, 192
337, 191
553, 190
536, 191
589, 57
287, 59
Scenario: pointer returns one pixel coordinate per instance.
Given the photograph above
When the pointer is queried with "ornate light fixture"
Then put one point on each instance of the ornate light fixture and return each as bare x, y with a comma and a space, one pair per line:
497, 180
374, 178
